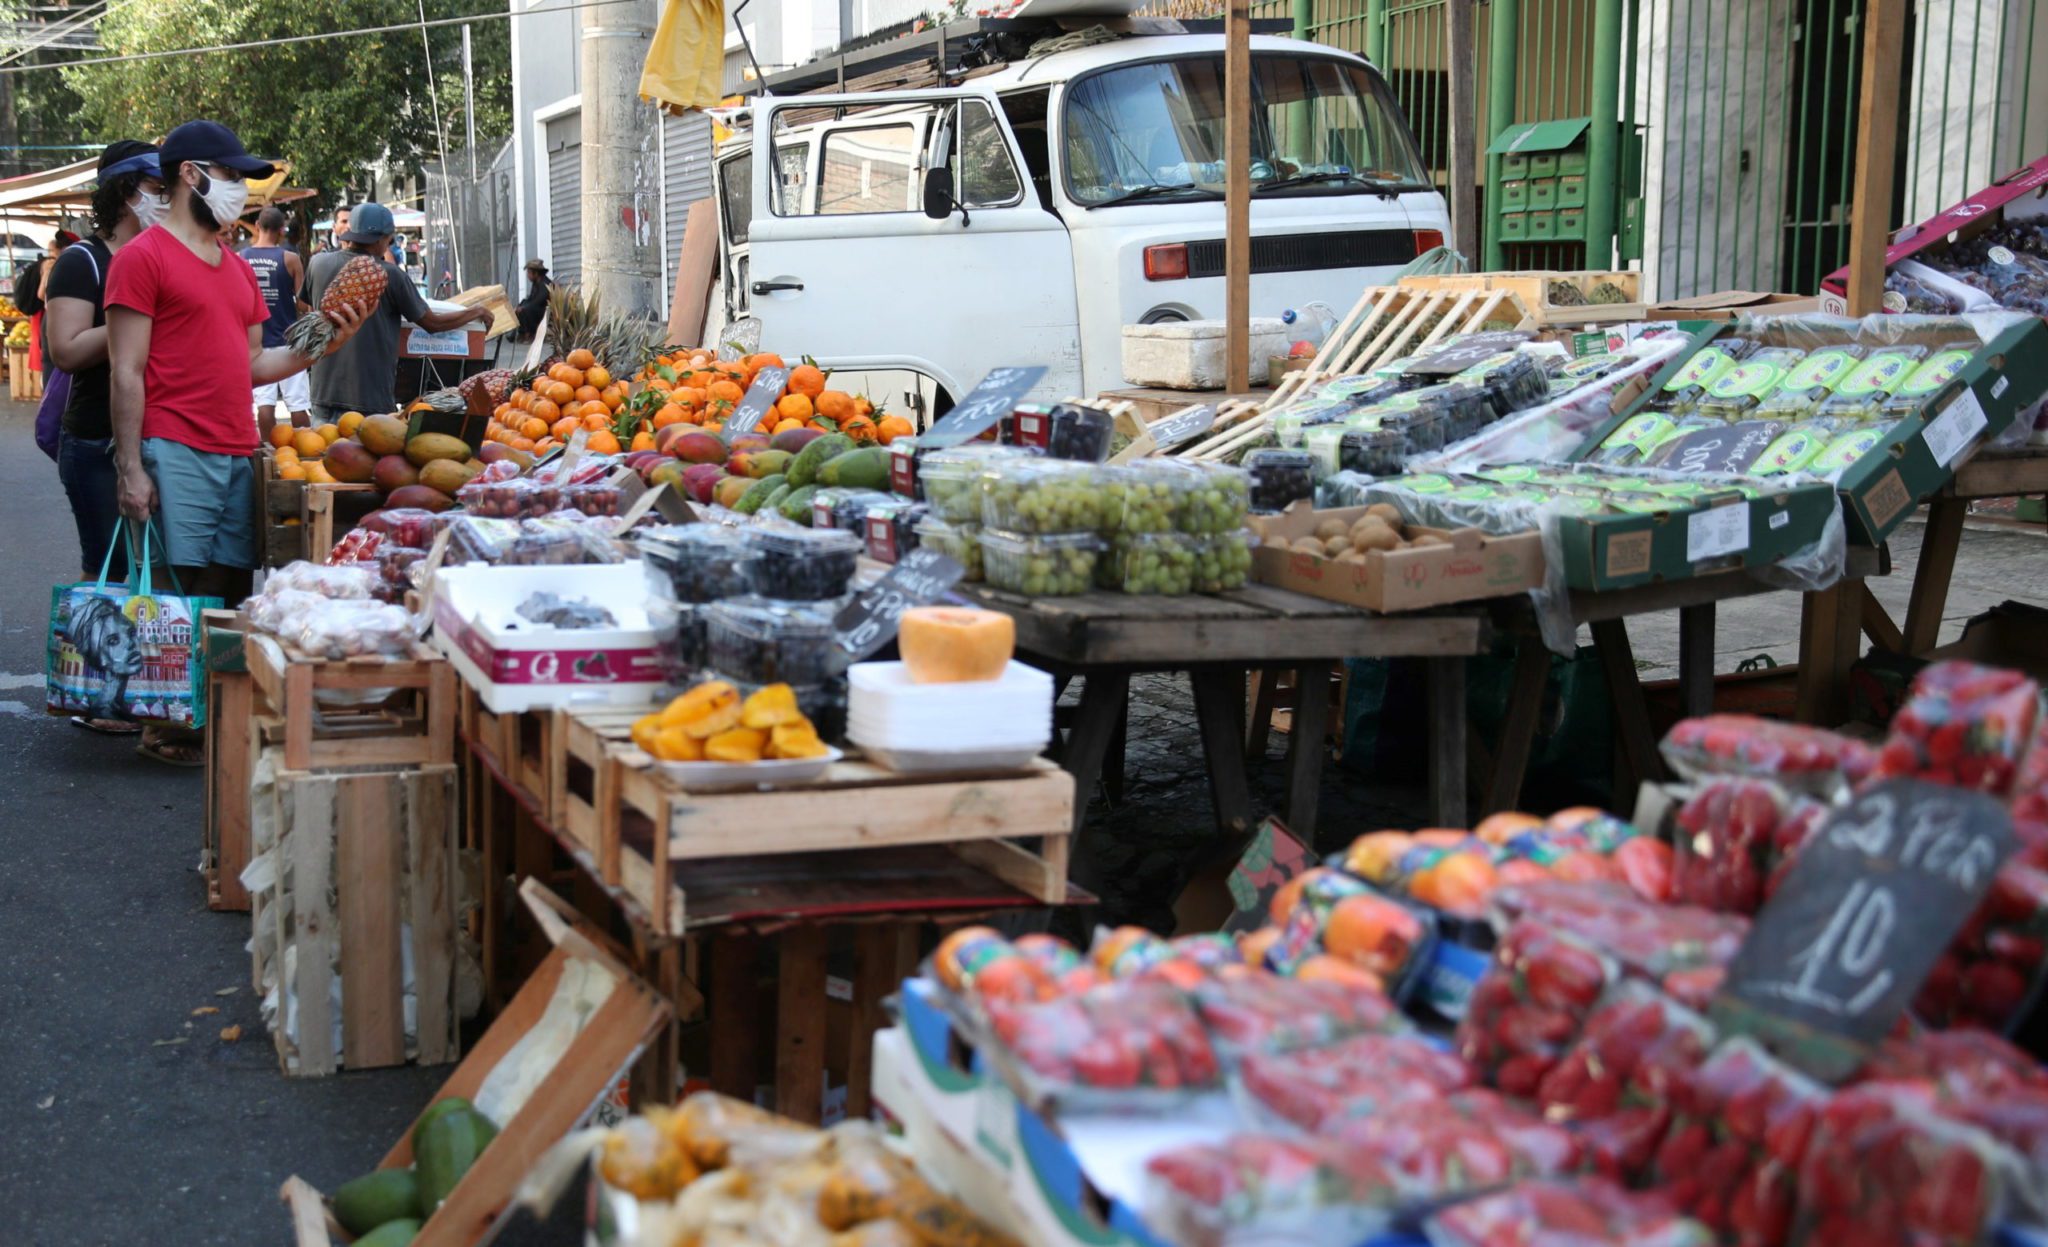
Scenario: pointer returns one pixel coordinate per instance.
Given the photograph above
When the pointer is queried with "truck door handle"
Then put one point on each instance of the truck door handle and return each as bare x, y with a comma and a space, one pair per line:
766, 287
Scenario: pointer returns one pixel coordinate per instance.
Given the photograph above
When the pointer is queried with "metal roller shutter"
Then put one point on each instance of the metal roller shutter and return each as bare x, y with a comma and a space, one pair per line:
565, 197
685, 178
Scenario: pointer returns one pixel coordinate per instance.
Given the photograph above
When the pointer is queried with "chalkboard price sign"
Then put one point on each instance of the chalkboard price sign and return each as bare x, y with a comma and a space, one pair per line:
1182, 425
868, 622
1876, 895
759, 397
995, 397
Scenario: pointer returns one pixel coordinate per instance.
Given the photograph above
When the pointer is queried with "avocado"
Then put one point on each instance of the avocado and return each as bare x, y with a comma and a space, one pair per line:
865, 468
774, 500
803, 470
377, 1197
391, 1234
796, 504
447, 1104
447, 1146
758, 493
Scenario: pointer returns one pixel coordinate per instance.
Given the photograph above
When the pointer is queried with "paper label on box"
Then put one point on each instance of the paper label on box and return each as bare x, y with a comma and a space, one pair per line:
1780, 519
447, 342
1951, 432
1717, 531
2000, 386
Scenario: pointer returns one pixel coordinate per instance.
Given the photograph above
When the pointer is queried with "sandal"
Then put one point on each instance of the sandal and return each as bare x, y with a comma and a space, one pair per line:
106, 727
171, 753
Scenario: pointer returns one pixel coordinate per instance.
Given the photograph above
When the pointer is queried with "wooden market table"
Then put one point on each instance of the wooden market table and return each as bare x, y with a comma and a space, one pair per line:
737, 869
1105, 638
1991, 474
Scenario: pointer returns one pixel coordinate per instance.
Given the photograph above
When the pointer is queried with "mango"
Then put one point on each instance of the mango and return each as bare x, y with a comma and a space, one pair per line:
796, 505
758, 493
728, 492
351, 462
698, 446
757, 464
425, 497
492, 452
748, 441
380, 1196
393, 473
382, 435
796, 439
699, 479
773, 502
803, 470
865, 468
428, 447
447, 475
671, 474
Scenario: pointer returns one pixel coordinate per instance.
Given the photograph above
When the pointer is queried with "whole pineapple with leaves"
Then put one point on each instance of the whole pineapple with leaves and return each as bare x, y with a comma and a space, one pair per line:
576, 322
483, 391
360, 282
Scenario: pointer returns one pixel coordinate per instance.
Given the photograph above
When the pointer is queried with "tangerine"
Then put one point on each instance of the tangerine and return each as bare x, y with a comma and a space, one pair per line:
807, 379
763, 359
1371, 931
603, 443
859, 428
533, 427
689, 395
643, 440
1458, 882
522, 443
329, 433
837, 404
792, 406
729, 391
281, 434
669, 414
572, 377
889, 428
597, 375
317, 473
291, 470
580, 358
564, 427
588, 393
546, 409
559, 392
350, 421
308, 443
786, 426
286, 453
595, 421
1324, 968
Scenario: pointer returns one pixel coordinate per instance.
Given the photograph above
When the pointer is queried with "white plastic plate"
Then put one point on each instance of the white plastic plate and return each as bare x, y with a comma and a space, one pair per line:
767, 773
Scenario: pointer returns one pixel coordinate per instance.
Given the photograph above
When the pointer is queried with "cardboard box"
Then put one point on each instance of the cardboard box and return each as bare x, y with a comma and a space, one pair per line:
515, 669
464, 343
1726, 305
1474, 565
1621, 551
2006, 376
1964, 220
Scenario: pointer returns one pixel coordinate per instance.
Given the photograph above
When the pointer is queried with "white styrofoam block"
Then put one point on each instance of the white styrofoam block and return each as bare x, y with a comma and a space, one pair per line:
1192, 354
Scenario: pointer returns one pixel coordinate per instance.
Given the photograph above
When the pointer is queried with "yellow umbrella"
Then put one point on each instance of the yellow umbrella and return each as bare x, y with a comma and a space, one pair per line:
686, 62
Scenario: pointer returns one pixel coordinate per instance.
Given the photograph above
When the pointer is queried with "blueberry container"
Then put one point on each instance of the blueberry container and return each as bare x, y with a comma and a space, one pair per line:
769, 642
1279, 478
802, 564
695, 562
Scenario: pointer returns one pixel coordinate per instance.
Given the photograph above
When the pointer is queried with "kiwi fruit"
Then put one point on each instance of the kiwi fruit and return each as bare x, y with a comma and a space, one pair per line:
1388, 512
1308, 545
1378, 537
1330, 528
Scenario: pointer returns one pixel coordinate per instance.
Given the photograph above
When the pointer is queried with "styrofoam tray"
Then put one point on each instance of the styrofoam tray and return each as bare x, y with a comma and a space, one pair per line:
931, 762
886, 711
767, 773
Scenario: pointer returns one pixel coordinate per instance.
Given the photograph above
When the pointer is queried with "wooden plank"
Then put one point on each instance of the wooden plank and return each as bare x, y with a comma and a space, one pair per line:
1877, 131
229, 762
1939, 541
1447, 770
732, 1012
1696, 659
799, 1022
310, 809
1307, 742
1103, 698
2002, 474
369, 869
1461, 170
695, 261
1518, 729
1625, 691
885, 953
1237, 199
311, 1224
1030, 873
430, 824
1878, 625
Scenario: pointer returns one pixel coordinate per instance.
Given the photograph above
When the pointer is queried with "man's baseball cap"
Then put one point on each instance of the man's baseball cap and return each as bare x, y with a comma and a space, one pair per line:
129, 156
367, 222
210, 143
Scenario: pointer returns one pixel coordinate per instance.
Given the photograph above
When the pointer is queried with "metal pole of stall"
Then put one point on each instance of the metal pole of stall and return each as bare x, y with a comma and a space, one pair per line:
1504, 44
1603, 147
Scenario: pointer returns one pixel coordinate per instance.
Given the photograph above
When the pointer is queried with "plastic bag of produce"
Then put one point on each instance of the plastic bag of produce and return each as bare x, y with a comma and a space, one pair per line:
1576, 1212
1884, 1165
1962, 1063
1988, 974
1247, 1011
1649, 941
1965, 725
1315, 1088
329, 582
1135, 1044
352, 629
1732, 833
1614, 1084
1530, 1004
1338, 916
1809, 759
1740, 1124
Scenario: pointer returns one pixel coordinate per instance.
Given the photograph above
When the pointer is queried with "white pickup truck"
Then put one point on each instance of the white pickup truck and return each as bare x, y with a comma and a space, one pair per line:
1025, 211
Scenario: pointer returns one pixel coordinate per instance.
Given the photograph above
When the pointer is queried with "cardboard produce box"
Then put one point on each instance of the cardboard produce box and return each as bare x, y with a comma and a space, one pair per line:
1933, 236
1472, 565
1622, 551
1919, 453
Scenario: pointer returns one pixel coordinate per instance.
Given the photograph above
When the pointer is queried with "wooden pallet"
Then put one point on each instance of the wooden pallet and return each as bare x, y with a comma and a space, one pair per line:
855, 805
366, 853
230, 757
414, 724
524, 748
1534, 290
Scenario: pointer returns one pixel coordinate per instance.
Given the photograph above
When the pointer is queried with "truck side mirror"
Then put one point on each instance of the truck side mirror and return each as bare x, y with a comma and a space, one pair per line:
938, 192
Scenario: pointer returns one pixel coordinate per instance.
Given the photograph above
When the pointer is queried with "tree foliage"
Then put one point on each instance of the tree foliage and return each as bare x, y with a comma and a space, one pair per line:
332, 106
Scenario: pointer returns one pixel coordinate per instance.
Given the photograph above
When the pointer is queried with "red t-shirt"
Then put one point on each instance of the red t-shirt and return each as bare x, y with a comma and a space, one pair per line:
195, 387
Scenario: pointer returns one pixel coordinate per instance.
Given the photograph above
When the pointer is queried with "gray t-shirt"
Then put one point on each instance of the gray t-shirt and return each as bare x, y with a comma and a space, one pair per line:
361, 375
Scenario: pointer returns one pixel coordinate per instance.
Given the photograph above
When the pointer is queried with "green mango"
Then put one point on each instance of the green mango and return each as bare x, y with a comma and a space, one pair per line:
391, 1234
774, 501
803, 470
758, 493
377, 1197
796, 505
447, 1104
446, 1148
863, 468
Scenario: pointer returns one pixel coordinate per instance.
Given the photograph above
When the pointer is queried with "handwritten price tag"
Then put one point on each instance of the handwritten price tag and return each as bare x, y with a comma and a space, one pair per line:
759, 397
1182, 425
995, 397
868, 622
1875, 897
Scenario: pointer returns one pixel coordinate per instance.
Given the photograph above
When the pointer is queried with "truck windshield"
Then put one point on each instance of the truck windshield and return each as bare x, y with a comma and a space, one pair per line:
1319, 127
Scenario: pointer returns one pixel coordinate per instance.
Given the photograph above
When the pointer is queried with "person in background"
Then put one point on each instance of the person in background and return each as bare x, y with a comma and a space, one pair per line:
280, 275
340, 228
128, 200
535, 305
360, 375
28, 294
185, 348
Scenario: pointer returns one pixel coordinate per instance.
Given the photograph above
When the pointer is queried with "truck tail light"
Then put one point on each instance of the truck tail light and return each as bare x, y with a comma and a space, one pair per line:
1428, 240
1167, 262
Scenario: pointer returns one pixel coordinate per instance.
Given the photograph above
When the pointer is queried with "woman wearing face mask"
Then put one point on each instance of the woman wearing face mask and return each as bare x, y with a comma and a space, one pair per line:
128, 200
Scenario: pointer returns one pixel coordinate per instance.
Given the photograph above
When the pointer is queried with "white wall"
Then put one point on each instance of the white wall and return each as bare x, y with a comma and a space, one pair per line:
1970, 84
545, 69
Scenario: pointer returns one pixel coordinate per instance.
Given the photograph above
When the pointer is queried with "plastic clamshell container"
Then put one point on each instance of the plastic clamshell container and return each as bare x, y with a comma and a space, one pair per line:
1279, 478
695, 562
1223, 561
517, 499
803, 564
959, 542
1047, 496
951, 478
760, 641
1148, 563
1040, 565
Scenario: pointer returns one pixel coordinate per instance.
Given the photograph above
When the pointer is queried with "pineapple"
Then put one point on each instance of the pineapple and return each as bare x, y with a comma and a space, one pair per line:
483, 391
360, 282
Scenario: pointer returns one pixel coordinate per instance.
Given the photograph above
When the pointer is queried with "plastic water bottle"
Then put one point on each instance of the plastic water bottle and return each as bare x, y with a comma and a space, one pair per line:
1313, 324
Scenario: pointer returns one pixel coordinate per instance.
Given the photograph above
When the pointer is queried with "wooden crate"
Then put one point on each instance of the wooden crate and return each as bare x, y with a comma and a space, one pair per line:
1537, 290
318, 519
362, 854
586, 785
230, 757
414, 724
521, 747
281, 504
855, 805
23, 382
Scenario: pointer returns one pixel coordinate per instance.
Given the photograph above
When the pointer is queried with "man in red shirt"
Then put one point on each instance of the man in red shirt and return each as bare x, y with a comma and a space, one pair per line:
185, 346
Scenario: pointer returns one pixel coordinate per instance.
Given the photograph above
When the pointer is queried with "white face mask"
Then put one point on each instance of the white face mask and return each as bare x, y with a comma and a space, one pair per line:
149, 209
225, 199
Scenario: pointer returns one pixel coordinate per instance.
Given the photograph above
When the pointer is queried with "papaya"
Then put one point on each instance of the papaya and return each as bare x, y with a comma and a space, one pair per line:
380, 1196
955, 645
391, 1234
427, 447
864, 468
382, 435
803, 470
759, 493
445, 1149
448, 475
796, 505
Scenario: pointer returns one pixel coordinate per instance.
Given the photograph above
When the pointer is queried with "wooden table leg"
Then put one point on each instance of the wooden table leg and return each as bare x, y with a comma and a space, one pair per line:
1103, 697
1217, 694
800, 1022
653, 1079
735, 1054
1631, 713
1938, 542
885, 953
1518, 729
1830, 640
1306, 745
1696, 659
1446, 721
1265, 694
1113, 758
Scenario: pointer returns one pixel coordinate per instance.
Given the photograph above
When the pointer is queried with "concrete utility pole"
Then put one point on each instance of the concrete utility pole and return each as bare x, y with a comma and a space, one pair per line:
621, 190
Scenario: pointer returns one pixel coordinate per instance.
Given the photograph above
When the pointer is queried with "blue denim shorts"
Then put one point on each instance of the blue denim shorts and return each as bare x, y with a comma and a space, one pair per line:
206, 504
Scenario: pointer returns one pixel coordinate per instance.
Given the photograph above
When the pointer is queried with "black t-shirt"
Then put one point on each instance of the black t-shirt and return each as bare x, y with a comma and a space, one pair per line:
81, 273
25, 297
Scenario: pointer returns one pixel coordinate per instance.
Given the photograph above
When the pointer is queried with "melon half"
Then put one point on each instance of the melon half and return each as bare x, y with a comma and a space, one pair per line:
955, 644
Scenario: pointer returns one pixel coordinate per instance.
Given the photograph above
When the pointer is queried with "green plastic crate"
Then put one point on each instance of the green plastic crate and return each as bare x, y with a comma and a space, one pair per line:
1543, 193
1514, 225
1514, 167
1571, 223
1543, 165
1542, 225
1574, 161
1571, 190
1514, 196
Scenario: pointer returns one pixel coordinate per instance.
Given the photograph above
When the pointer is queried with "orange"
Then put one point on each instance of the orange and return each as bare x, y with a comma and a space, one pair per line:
729, 391
317, 473
669, 414
1253, 945
786, 425
1323, 968
350, 421
580, 358
588, 393
546, 410
1289, 894
596, 420
807, 379
1371, 931
522, 443
308, 443
597, 375
291, 471
689, 395
544, 445
663, 384
281, 433
564, 427
862, 406
643, 440
791, 406
613, 398
763, 359
286, 454
571, 377
837, 404
859, 428
1372, 856
329, 433
889, 428
533, 427
603, 443
1458, 882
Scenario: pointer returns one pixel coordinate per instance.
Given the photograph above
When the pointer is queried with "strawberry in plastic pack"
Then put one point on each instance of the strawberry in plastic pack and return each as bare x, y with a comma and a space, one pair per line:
2030, 803
2018, 1119
1965, 725
1885, 1168
1201, 1194
1989, 971
1130, 1044
1810, 759
1470, 1140
1649, 940
1732, 832
406, 526
1318, 1087
1581, 1212
1740, 1124
1529, 1005
1959, 1064
1615, 1081
1248, 1011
